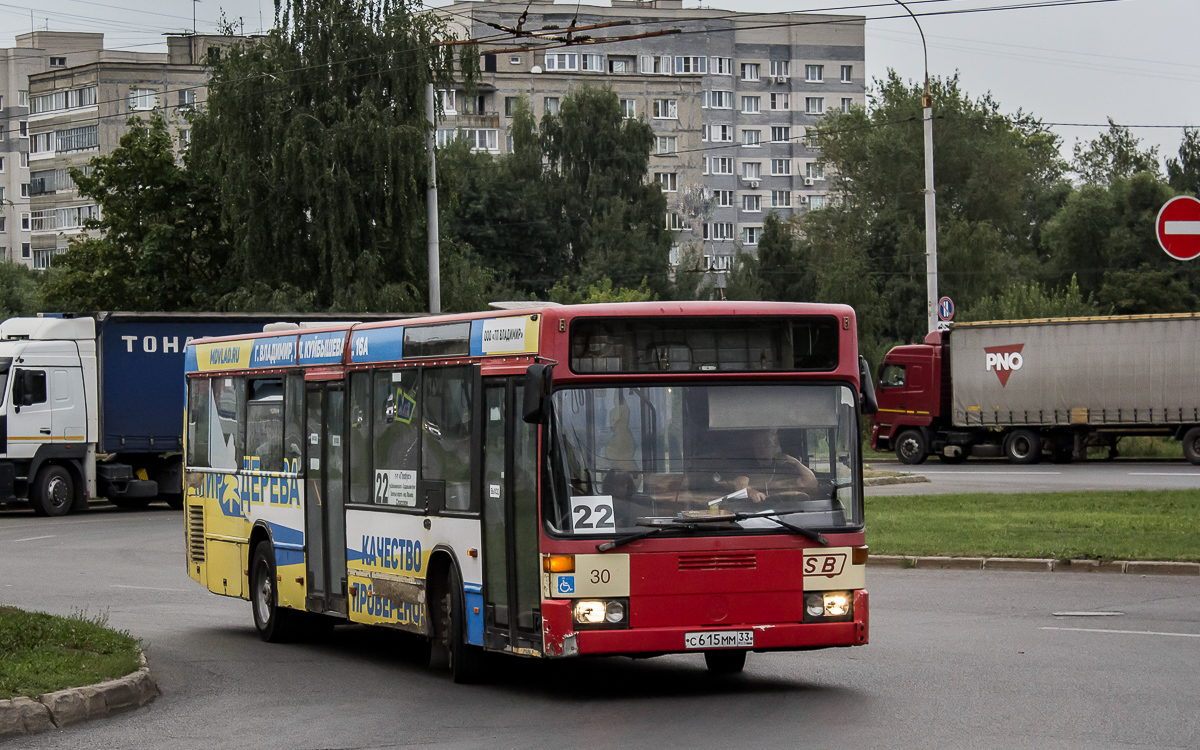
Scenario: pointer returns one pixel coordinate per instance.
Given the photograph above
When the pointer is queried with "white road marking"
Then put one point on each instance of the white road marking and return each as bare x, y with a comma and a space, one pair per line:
998, 473
1125, 632
1087, 614
1164, 473
35, 538
144, 588
1181, 227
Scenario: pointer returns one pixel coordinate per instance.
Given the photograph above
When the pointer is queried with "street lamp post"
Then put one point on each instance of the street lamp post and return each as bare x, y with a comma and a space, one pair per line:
931, 283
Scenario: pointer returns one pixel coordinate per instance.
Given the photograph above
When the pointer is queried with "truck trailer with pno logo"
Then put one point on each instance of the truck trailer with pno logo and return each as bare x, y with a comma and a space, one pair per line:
91, 405
1028, 389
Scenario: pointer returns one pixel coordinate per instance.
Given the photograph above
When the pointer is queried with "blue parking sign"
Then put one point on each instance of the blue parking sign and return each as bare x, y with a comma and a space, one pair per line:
945, 309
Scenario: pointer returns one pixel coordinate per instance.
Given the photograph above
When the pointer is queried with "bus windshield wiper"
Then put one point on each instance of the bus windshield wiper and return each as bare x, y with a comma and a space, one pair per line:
771, 515
657, 528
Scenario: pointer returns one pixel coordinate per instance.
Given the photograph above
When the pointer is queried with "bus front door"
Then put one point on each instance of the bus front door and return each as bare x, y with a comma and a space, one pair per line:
512, 595
325, 519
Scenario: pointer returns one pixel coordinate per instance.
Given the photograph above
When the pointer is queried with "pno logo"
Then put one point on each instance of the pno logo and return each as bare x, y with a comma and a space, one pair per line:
1003, 360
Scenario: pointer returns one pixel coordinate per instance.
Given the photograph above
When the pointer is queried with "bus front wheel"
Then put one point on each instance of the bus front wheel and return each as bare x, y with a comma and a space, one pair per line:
725, 662
274, 623
466, 660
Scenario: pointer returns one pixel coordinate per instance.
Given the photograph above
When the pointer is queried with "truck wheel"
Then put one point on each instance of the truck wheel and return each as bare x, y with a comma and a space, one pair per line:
1191, 445
910, 447
53, 491
466, 661
725, 662
275, 624
1023, 447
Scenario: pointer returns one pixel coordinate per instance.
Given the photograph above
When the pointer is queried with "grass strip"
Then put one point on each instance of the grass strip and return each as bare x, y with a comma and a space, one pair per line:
41, 653
1128, 525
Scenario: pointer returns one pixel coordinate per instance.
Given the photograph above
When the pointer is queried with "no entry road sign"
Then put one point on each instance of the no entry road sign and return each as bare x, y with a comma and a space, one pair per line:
1178, 227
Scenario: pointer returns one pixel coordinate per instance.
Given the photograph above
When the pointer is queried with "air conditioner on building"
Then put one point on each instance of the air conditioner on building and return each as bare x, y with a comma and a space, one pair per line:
803, 199
753, 184
808, 181
780, 79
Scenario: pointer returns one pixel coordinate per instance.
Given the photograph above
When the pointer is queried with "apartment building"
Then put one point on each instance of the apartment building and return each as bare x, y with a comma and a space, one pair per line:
80, 110
730, 98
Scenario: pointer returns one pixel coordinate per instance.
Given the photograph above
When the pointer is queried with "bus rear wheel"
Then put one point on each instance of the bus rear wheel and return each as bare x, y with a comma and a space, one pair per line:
273, 623
725, 662
53, 491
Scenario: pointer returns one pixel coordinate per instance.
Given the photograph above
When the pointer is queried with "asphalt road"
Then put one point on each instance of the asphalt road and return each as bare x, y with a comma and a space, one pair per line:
956, 660
976, 475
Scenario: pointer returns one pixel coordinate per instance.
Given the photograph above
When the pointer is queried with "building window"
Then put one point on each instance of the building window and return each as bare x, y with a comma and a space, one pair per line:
594, 63
750, 71
41, 143
22, 98
629, 108
666, 144
668, 181
562, 61
514, 60
142, 99
703, 133
816, 202
673, 255
722, 66
847, 103
618, 66
718, 231
781, 199
186, 98
721, 164
25, 222
814, 170
752, 203
723, 198
449, 104
23, 129
509, 103
1, 163
814, 73
751, 170
750, 105
691, 65
78, 139
24, 189
26, 249
666, 109
720, 99
847, 74
779, 68
779, 101
751, 235
722, 133
24, 158
750, 138
781, 134
550, 103
1, 103
655, 64
69, 99
58, 62
3, 224
781, 166
814, 105
677, 223
482, 139
185, 137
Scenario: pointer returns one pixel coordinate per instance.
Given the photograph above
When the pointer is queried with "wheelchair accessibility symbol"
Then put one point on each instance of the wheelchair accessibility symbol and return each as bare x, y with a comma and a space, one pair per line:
566, 584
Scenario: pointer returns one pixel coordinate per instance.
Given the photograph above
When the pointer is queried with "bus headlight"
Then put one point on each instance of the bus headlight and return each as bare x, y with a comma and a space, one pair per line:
589, 612
826, 606
614, 612
837, 603
814, 605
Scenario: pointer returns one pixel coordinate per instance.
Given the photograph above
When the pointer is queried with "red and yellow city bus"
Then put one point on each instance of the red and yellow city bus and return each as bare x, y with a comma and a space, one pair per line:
554, 481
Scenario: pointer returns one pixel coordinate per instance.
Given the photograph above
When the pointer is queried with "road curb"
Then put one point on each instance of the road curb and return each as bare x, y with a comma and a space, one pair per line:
883, 481
22, 716
1041, 565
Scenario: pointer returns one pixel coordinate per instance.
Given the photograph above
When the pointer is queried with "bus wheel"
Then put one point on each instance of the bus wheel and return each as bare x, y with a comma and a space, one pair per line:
725, 662
53, 491
1023, 447
274, 623
1191, 445
910, 447
466, 661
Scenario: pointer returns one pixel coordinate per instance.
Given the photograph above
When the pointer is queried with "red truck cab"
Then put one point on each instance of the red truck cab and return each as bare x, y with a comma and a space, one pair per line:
913, 393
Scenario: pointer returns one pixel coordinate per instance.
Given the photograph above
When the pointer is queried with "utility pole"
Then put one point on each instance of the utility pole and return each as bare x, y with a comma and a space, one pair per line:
931, 281
431, 203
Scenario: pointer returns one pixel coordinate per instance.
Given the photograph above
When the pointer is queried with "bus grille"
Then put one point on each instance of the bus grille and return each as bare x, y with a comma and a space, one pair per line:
718, 561
196, 533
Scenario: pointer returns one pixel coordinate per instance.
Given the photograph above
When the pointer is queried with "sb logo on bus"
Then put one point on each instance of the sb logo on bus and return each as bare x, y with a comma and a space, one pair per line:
824, 565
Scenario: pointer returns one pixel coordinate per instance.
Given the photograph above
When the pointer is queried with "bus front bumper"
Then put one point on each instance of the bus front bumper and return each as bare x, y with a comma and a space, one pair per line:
560, 638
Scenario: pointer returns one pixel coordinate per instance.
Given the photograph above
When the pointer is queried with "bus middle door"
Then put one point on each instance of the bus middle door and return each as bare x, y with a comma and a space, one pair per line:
325, 519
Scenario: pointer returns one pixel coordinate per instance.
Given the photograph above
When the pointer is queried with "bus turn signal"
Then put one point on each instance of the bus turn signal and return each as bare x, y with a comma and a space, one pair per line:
559, 563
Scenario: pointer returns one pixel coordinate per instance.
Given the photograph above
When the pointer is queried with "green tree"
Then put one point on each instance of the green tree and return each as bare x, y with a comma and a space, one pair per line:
313, 138
602, 291
20, 290
1026, 300
159, 247
1114, 154
1145, 291
1183, 173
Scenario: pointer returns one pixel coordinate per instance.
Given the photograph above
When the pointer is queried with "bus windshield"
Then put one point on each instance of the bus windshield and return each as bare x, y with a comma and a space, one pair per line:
629, 457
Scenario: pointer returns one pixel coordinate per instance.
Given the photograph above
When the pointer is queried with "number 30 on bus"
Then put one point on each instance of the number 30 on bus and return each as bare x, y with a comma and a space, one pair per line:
553, 481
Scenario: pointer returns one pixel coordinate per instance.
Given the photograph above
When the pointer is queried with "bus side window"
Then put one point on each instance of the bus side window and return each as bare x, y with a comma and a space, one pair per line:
396, 426
199, 405
446, 437
360, 437
264, 424
293, 424
227, 443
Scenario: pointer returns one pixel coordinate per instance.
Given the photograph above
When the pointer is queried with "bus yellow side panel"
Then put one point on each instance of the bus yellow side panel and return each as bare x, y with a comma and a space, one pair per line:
225, 561
292, 585
196, 566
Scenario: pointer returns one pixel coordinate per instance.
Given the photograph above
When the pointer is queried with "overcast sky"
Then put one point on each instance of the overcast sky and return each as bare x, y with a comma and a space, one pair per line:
1136, 61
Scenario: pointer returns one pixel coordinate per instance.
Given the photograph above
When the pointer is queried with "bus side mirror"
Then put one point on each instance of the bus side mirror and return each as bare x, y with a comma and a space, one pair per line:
866, 388
539, 382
